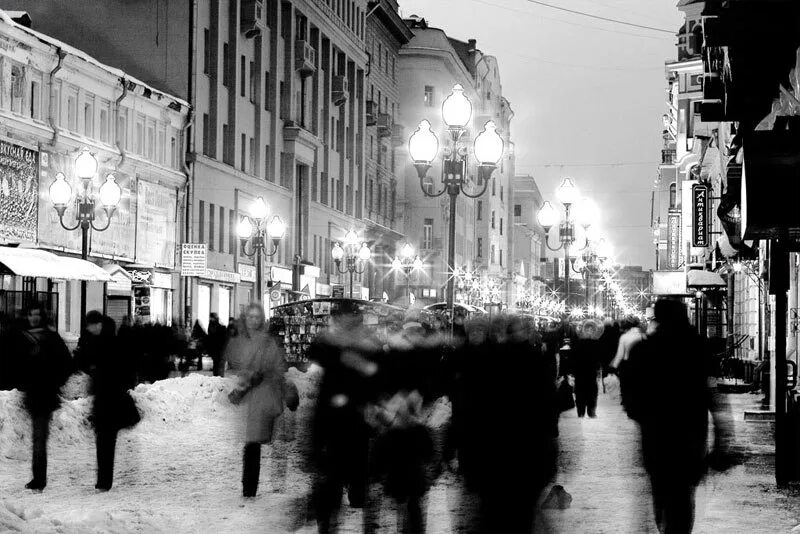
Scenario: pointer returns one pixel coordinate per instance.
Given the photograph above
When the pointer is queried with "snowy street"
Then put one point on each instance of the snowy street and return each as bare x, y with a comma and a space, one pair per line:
179, 471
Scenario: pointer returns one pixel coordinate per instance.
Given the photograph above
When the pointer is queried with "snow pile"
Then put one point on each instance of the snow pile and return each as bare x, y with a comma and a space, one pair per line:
77, 387
439, 414
17, 518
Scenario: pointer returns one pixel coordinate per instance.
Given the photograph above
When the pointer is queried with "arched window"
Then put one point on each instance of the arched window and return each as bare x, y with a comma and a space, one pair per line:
673, 194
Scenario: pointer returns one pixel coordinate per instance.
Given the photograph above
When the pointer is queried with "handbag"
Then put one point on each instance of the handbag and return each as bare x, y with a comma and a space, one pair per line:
128, 412
565, 399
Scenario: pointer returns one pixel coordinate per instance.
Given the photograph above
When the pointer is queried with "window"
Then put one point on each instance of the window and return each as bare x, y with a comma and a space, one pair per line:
211, 227
206, 50
492, 219
221, 229
696, 107
479, 211
231, 232
253, 83
394, 71
104, 125
501, 257
162, 139
428, 100
138, 140
150, 146
201, 222
226, 145
427, 234
673, 195
17, 88
226, 69
267, 104
494, 191
501, 192
122, 128
501, 226
284, 102
517, 210
267, 163
380, 56
174, 155
252, 168
72, 112
242, 76
492, 254
479, 247
206, 136
243, 162
36, 100
88, 119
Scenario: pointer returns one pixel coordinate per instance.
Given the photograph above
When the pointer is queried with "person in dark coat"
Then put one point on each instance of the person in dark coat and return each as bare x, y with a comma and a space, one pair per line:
112, 375
46, 365
215, 343
585, 363
674, 427
340, 432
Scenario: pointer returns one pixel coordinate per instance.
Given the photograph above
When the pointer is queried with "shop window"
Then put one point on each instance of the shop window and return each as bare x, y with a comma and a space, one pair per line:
428, 98
427, 234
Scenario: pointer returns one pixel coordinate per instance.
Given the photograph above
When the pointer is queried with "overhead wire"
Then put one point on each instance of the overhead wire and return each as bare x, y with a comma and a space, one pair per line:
598, 17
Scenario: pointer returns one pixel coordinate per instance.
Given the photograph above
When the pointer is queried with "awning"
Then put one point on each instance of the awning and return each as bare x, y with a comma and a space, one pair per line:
42, 264
697, 279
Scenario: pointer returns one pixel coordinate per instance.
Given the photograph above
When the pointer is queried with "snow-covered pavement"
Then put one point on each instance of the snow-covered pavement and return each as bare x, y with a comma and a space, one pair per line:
179, 471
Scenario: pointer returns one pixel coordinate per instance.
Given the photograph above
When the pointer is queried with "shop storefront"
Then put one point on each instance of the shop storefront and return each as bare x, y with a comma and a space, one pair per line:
215, 293
245, 291
152, 296
119, 293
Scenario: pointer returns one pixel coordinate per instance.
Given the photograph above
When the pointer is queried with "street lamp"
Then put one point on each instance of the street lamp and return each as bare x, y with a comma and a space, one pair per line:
423, 147
355, 257
407, 263
109, 195
255, 228
587, 213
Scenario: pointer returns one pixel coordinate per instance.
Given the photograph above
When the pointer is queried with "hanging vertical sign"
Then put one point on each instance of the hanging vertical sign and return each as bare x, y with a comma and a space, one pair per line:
700, 215
673, 240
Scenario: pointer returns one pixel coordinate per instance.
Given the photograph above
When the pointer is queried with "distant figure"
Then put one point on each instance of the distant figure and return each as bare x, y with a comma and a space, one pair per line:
46, 365
674, 427
197, 344
255, 356
585, 363
112, 376
215, 343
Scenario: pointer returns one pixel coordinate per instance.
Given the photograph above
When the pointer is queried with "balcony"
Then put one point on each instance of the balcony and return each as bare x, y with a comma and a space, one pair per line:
384, 125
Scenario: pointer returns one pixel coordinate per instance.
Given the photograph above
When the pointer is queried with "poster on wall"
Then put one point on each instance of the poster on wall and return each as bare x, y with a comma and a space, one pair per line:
116, 240
19, 191
155, 224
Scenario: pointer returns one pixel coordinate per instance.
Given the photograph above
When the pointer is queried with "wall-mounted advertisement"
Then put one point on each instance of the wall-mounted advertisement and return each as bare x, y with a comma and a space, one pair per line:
117, 240
156, 224
674, 240
19, 190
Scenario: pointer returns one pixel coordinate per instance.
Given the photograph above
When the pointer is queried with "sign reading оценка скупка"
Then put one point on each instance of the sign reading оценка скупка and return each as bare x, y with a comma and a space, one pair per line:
19, 191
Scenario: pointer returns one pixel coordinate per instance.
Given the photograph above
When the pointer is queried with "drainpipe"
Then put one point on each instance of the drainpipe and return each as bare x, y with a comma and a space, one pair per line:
117, 103
61, 55
187, 218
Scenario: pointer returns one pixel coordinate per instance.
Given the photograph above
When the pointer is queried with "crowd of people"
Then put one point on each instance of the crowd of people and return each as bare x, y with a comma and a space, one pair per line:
507, 384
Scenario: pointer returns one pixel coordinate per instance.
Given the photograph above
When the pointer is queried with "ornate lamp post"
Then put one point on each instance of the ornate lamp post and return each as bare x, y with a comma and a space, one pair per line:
407, 265
108, 195
255, 229
423, 146
567, 193
355, 257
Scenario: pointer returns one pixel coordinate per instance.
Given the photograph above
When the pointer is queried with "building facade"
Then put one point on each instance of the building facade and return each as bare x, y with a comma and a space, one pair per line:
529, 249
56, 100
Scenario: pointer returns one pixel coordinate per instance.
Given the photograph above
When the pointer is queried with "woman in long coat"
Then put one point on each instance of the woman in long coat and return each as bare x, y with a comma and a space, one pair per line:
255, 356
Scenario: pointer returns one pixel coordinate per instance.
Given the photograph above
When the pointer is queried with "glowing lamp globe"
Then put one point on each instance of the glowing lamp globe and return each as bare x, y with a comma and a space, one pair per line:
406, 251
417, 263
423, 144
567, 193
60, 191
110, 192
85, 165
364, 253
397, 264
245, 228
337, 252
548, 216
488, 145
259, 209
456, 108
276, 228
737, 267
351, 238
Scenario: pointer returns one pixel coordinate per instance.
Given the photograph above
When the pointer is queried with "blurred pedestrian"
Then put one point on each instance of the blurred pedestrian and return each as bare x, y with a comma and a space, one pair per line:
198, 343
585, 356
259, 363
46, 364
401, 456
340, 433
673, 359
112, 375
215, 343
